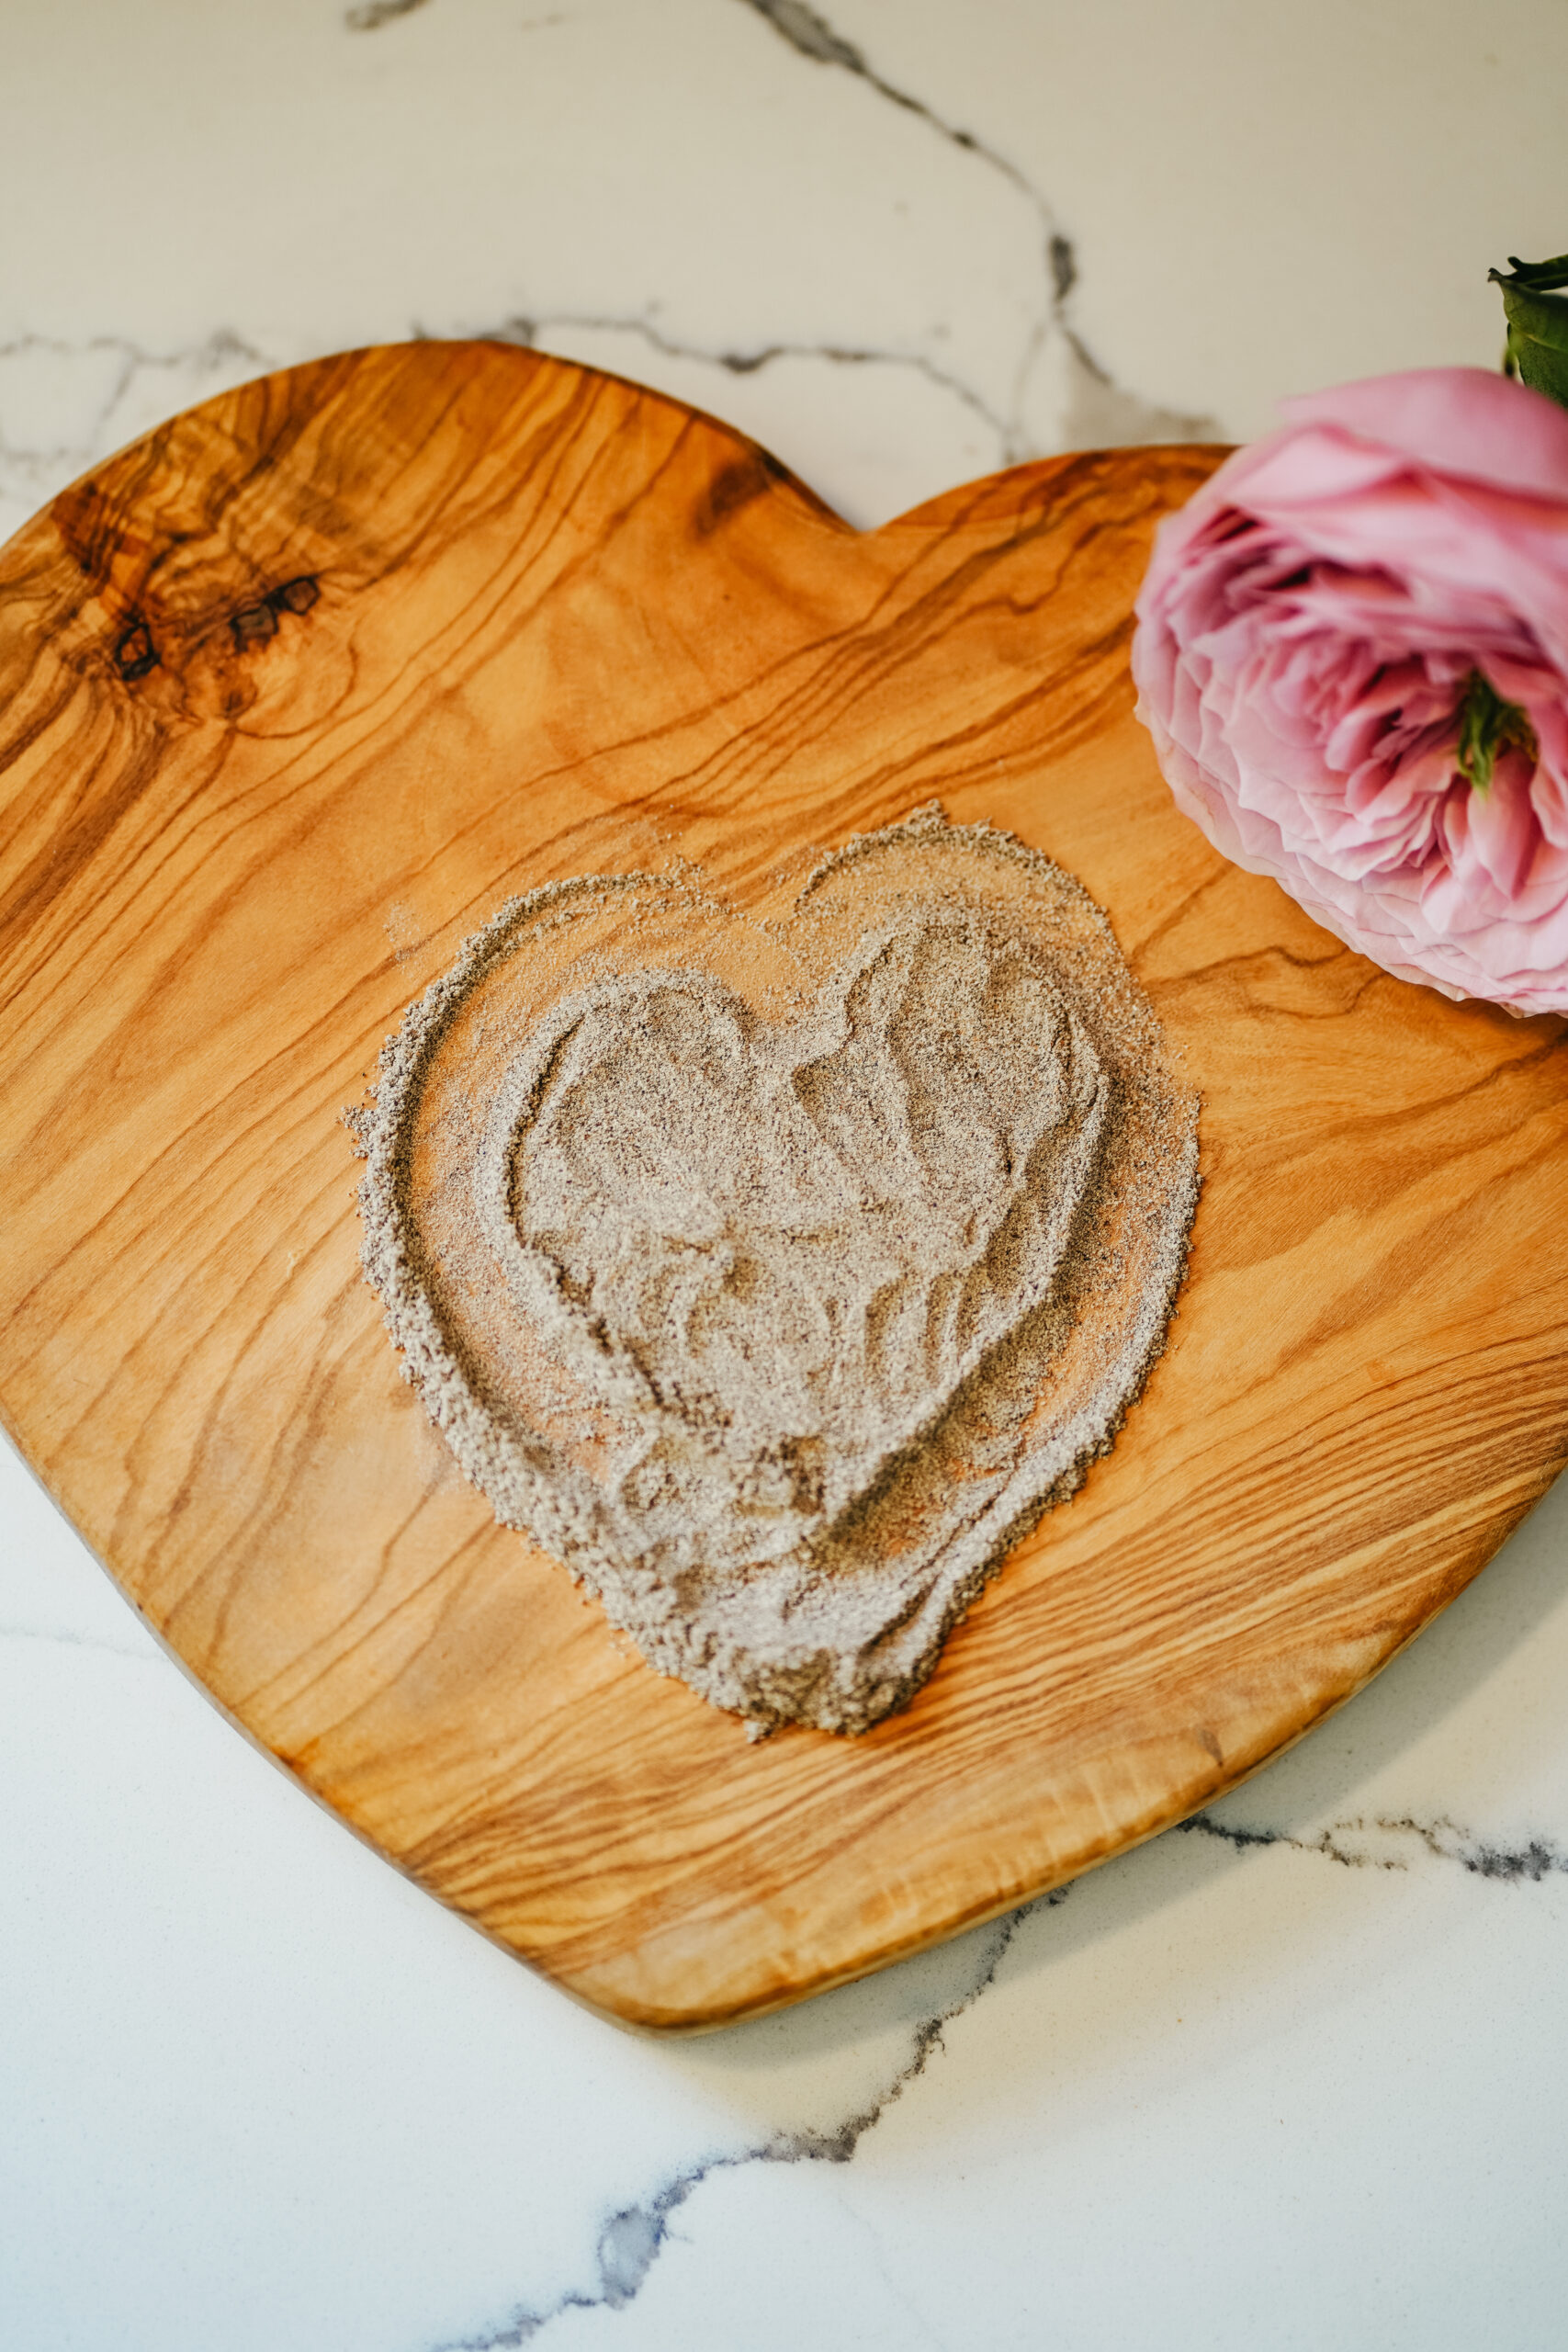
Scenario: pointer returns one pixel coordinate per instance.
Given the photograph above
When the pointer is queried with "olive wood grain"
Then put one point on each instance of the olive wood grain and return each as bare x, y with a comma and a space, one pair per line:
296, 692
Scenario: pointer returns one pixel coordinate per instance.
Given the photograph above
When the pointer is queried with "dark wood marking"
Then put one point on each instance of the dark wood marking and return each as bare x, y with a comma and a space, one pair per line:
294, 596
255, 623
753, 476
135, 652
575, 627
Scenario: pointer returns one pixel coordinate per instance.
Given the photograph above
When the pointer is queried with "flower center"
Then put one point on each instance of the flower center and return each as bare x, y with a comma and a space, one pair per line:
1487, 728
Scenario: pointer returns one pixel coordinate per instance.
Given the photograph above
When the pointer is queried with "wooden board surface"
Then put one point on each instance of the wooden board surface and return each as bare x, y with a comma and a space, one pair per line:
296, 692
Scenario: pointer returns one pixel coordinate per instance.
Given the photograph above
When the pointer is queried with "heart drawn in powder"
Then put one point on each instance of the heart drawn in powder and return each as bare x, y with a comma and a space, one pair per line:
777, 1329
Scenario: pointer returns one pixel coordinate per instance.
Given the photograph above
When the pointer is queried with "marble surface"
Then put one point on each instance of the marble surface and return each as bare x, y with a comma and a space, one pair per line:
1296, 2075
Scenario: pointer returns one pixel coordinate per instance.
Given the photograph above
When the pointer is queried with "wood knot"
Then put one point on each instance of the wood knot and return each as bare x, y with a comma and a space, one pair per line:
135, 652
257, 622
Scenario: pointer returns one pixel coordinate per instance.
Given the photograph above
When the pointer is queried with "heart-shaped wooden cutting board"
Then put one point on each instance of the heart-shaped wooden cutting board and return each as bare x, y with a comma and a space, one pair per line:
297, 693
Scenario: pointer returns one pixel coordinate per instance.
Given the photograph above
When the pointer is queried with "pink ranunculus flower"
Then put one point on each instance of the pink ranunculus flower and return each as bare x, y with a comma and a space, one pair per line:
1352, 655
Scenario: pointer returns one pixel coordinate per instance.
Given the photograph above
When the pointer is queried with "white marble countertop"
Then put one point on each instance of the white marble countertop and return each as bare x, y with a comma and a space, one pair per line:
1294, 2075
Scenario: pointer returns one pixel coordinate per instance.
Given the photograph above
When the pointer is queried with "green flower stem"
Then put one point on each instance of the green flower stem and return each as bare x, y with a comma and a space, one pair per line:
1538, 323
1487, 728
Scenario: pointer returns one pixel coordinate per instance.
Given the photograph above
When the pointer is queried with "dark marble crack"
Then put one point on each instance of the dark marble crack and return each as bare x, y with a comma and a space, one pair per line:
222, 349
224, 344
804, 31
632, 2239
1063, 267
148, 1657
751, 360
815, 38
1100, 409
1532, 1861
376, 13
373, 14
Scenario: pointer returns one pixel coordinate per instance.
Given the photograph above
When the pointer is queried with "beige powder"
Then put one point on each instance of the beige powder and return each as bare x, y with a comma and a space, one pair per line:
776, 1275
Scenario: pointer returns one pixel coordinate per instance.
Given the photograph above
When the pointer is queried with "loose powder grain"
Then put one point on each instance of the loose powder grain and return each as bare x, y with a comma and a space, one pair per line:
776, 1274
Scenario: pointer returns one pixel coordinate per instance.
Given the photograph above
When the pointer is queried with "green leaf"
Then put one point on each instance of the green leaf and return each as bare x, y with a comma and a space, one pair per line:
1538, 323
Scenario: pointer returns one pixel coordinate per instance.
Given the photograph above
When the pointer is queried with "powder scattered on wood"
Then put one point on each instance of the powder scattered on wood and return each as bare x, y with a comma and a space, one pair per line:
777, 1273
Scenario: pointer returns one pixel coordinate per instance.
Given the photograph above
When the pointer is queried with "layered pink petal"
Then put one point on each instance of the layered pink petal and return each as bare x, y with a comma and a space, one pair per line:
1307, 634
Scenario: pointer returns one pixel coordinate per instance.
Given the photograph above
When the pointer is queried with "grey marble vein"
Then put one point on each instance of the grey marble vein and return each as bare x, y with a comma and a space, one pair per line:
1385, 1841
65, 405
1101, 410
632, 2238
119, 386
376, 13
68, 1639
533, 333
